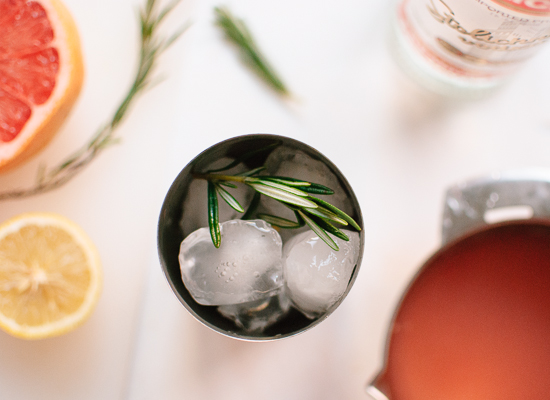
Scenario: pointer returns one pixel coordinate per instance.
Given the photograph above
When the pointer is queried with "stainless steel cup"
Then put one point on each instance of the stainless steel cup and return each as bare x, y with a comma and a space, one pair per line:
170, 234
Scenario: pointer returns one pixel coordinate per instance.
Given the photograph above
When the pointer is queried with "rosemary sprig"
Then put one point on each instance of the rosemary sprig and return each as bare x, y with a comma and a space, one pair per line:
152, 46
237, 32
318, 214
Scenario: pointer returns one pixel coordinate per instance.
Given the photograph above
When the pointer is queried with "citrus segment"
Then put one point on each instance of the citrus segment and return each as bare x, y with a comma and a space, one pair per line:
14, 113
41, 75
29, 63
50, 276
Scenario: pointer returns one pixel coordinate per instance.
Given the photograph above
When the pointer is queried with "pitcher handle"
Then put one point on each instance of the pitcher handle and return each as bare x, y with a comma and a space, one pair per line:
477, 203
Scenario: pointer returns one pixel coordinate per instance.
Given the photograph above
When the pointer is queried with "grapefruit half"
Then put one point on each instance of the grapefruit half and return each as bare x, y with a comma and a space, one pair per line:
41, 73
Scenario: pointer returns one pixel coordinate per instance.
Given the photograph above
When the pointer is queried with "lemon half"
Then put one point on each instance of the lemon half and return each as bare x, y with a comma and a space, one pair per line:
50, 275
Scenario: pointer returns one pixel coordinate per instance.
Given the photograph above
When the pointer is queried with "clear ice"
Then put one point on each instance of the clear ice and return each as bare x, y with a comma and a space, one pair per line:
286, 161
246, 267
257, 315
315, 275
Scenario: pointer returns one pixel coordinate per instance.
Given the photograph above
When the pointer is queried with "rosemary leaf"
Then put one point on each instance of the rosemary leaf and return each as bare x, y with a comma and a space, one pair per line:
286, 181
252, 172
319, 231
308, 187
229, 199
166, 11
280, 222
254, 203
337, 211
213, 215
327, 226
276, 185
299, 218
325, 214
227, 184
282, 195
316, 188
236, 32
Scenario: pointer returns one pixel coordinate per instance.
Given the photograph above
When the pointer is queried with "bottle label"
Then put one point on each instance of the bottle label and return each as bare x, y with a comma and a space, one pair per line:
534, 7
478, 38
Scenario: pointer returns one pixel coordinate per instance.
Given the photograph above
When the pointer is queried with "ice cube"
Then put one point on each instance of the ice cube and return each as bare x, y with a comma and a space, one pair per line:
315, 275
286, 161
246, 267
195, 205
257, 315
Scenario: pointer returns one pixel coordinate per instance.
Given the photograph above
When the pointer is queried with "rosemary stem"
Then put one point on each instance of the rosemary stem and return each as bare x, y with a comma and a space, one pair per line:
216, 177
152, 44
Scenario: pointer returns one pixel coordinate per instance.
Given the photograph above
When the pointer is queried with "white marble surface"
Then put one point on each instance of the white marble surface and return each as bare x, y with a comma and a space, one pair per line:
399, 147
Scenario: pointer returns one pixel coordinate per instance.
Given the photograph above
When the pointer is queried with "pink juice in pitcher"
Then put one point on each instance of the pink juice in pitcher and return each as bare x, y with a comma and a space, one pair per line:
475, 322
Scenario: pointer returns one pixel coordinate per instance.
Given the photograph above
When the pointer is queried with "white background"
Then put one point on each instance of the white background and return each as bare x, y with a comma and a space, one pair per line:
399, 147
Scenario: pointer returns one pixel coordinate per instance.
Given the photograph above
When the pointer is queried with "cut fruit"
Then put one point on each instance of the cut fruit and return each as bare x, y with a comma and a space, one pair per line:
41, 73
50, 276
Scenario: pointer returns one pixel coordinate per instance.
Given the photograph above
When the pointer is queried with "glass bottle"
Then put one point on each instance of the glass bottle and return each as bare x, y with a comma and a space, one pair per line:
467, 48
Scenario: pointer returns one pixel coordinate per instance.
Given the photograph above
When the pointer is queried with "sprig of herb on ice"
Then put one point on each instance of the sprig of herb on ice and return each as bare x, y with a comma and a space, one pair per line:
295, 194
